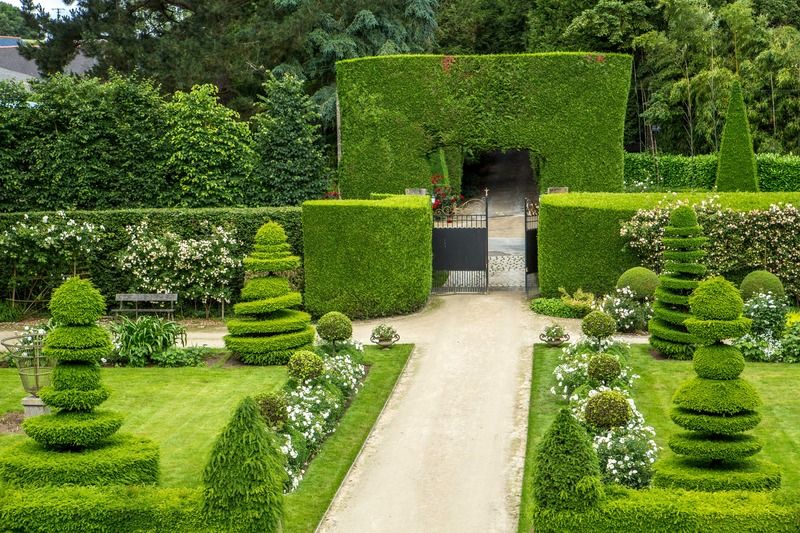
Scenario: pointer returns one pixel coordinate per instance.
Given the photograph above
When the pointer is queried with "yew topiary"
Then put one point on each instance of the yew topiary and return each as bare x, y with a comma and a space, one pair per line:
641, 281
607, 409
604, 367
761, 282
265, 329
736, 166
334, 326
598, 325
683, 242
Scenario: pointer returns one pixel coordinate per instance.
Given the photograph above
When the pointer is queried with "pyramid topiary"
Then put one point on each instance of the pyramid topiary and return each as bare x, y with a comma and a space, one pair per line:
717, 407
683, 242
736, 168
265, 330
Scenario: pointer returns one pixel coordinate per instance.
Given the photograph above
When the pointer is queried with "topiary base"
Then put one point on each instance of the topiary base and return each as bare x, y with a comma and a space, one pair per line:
672, 350
753, 475
278, 357
122, 460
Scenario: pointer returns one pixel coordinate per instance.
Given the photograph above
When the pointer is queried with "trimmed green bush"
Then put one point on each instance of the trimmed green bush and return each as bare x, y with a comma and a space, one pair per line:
598, 325
244, 476
718, 362
604, 367
668, 334
77, 303
641, 281
334, 326
273, 407
567, 475
750, 475
737, 170
264, 331
717, 448
380, 272
716, 299
553, 307
305, 365
70, 430
722, 425
761, 281
396, 110
607, 409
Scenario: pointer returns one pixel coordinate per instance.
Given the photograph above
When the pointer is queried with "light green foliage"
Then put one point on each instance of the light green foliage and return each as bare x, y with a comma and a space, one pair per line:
716, 299
305, 365
598, 325
394, 274
291, 165
77, 303
641, 281
553, 307
211, 152
737, 169
607, 409
761, 281
139, 340
398, 109
245, 474
334, 326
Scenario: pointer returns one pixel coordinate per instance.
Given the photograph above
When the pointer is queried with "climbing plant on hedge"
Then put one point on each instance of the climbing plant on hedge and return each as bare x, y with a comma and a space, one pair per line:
266, 330
736, 170
683, 242
717, 407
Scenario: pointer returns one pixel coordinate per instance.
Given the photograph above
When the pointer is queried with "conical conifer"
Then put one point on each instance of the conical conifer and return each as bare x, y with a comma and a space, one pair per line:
736, 169
265, 330
683, 242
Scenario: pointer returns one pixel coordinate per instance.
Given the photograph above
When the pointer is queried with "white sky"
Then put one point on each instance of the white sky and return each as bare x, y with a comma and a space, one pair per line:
47, 4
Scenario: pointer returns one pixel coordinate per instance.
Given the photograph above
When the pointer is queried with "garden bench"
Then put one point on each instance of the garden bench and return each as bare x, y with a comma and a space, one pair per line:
157, 298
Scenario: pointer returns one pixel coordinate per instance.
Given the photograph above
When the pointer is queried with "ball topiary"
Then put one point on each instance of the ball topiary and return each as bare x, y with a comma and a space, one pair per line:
761, 281
334, 326
716, 299
607, 409
641, 281
305, 365
77, 303
604, 367
598, 325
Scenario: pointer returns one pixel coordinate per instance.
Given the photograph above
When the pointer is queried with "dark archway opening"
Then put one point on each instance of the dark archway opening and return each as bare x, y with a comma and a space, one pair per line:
509, 175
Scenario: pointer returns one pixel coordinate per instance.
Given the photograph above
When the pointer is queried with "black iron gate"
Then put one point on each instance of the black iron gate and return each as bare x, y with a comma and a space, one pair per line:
531, 246
461, 250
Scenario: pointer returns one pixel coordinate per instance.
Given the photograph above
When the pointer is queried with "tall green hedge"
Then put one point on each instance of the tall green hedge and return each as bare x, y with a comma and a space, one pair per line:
579, 241
737, 163
367, 258
568, 108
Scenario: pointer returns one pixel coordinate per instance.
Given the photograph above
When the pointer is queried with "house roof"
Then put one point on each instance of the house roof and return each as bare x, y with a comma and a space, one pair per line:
11, 59
10, 75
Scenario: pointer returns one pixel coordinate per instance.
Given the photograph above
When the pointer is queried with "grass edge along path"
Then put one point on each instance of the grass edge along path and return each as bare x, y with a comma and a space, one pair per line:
306, 506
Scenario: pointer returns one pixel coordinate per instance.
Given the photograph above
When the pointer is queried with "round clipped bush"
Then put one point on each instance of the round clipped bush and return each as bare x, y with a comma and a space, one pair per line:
607, 409
305, 365
334, 326
718, 362
604, 367
716, 299
77, 303
683, 216
641, 281
274, 409
599, 325
761, 282
270, 233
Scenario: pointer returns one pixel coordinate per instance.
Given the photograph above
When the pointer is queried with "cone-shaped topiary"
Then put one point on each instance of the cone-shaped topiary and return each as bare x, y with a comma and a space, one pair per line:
265, 331
683, 242
244, 476
717, 406
736, 168
77, 344
568, 473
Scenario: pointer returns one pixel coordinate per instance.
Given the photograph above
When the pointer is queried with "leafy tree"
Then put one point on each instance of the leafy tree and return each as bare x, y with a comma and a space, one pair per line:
291, 165
737, 170
13, 23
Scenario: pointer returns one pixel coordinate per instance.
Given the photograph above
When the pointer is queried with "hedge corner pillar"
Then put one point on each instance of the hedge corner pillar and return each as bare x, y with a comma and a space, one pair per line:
367, 258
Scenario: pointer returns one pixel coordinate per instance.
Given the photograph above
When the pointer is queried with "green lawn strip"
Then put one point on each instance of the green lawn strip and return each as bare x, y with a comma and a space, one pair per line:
306, 506
183, 409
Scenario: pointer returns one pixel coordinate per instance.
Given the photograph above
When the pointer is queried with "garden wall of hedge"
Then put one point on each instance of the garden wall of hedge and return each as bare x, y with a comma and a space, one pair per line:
673, 172
568, 108
367, 258
579, 234
103, 267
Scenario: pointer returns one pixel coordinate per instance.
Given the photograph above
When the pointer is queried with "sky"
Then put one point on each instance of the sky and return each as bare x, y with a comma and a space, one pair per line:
47, 4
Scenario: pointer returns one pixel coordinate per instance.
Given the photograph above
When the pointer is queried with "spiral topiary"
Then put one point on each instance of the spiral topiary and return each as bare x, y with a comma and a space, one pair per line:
607, 409
604, 367
761, 282
683, 242
265, 330
641, 281
717, 407
598, 325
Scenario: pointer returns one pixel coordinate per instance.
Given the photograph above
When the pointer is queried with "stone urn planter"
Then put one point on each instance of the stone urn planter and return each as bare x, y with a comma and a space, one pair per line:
384, 336
554, 335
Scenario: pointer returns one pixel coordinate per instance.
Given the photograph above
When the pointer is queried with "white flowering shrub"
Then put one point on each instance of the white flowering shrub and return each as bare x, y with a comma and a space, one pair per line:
764, 348
768, 313
630, 313
627, 454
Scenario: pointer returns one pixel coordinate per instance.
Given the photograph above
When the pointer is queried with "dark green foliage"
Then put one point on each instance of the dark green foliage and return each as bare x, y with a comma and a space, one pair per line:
334, 326
567, 474
77, 303
598, 325
177, 357
716, 299
720, 397
394, 256
69, 430
9, 313
138, 340
245, 474
398, 109
750, 475
668, 334
305, 365
717, 448
607, 409
12, 23
737, 170
761, 281
123, 460
642, 281
273, 408
721, 425
718, 362
553, 307
291, 165
604, 367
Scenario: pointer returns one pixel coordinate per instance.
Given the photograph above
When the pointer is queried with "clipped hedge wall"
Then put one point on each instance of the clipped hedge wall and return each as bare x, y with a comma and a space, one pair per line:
367, 258
673, 172
579, 241
668, 511
567, 107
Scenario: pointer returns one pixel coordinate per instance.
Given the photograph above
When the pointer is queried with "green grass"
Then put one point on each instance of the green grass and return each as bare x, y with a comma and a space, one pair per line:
305, 506
182, 409
777, 384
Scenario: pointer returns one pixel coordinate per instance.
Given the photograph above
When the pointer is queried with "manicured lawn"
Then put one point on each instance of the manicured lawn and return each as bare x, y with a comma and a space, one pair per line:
305, 506
182, 409
777, 384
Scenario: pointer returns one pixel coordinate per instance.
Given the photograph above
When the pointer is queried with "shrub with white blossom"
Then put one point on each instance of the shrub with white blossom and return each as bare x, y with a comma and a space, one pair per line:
630, 313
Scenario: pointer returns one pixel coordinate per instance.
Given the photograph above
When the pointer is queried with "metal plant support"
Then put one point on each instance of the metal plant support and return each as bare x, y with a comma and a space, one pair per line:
35, 369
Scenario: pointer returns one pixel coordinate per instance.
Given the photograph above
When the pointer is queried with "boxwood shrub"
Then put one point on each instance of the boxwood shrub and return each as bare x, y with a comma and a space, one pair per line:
367, 258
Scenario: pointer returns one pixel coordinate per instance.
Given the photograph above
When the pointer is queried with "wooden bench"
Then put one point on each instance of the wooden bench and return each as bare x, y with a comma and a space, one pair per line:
136, 299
